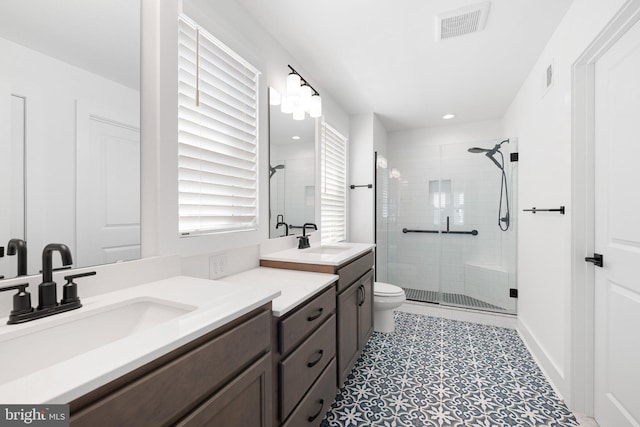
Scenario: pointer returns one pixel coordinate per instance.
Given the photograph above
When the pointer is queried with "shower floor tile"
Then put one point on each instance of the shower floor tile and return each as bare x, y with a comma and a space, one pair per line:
450, 373
462, 300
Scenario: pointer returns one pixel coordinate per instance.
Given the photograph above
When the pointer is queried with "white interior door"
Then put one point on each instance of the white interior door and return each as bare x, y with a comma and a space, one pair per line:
617, 228
108, 198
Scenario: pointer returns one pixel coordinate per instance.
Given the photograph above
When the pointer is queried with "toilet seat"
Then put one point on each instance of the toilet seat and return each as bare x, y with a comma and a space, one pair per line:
386, 290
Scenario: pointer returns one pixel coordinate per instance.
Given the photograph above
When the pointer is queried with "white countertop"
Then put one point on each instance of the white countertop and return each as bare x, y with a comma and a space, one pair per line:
311, 256
295, 286
212, 304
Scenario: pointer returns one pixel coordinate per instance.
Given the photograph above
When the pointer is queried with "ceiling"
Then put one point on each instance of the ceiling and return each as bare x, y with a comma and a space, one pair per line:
101, 36
382, 57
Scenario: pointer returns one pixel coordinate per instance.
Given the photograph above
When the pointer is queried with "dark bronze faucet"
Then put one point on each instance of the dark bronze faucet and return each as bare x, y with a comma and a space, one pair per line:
47, 292
303, 241
286, 227
19, 247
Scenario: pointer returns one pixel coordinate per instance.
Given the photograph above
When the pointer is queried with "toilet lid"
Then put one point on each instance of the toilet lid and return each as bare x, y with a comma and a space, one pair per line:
380, 288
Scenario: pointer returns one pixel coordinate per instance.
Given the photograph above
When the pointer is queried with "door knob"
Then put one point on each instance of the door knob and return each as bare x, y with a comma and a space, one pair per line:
597, 260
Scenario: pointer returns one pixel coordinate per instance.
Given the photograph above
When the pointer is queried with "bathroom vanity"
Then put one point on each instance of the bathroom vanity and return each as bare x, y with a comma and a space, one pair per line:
177, 351
303, 342
353, 264
208, 381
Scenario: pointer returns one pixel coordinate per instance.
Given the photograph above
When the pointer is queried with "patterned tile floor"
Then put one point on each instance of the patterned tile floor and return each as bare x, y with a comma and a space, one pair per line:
438, 372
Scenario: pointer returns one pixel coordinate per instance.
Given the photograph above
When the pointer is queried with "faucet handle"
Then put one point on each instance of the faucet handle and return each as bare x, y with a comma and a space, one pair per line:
21, 300
70, 289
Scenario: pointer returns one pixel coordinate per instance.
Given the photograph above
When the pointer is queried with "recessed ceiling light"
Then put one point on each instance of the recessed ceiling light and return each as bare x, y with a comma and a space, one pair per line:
448, 116
295, 137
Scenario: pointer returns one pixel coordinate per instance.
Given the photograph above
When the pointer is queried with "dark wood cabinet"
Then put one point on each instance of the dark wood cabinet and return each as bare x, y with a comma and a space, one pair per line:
242, 403
304, 363
355, 320
221, 378
348, 349
365, 309
354, 305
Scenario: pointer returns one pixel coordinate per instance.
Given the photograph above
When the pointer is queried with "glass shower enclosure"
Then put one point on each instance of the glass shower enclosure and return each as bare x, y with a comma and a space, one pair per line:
446, 223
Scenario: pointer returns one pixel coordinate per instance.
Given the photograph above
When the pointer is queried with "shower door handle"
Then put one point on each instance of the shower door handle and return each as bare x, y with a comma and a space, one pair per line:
597, 260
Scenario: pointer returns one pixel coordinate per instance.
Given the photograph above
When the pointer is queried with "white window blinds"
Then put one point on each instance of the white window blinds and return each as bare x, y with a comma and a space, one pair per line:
333, 176
217, 135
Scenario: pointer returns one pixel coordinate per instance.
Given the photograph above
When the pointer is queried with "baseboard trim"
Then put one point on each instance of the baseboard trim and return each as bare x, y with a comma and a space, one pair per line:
550, 369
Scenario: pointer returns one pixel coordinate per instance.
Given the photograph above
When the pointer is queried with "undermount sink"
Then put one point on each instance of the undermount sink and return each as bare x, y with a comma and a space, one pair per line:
328, 250
45, 344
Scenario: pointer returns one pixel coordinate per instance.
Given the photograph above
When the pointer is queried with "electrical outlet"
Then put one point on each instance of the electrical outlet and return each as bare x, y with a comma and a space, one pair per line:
217, 265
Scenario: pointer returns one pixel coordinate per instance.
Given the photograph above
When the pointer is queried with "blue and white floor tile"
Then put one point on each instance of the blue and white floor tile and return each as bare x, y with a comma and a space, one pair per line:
439, 372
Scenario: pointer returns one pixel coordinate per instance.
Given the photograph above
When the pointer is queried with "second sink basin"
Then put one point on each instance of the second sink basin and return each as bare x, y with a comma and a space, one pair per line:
328, 250
45, 344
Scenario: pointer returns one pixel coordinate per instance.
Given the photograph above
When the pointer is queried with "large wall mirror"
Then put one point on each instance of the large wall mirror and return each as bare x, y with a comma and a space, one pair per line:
69, 130
291, 172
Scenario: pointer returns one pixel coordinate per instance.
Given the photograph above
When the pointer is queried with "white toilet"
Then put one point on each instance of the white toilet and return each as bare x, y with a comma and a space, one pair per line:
386, 298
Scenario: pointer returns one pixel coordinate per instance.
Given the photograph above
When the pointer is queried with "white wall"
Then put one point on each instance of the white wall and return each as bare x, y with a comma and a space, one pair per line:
230, 23
542, 123
367, 135
360, 172
380, 145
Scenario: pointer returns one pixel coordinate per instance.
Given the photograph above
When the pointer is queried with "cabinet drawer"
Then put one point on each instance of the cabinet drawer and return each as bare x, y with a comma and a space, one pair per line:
301, 368
163, 395
316, 403
354, 270
298, 325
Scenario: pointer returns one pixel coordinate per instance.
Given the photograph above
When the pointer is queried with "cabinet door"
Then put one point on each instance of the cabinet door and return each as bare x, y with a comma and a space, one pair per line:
347, 330
245, 402
365, 310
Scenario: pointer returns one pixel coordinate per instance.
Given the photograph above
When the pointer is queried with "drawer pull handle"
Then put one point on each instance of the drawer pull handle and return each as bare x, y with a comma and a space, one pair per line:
315, 316
314, 416
318, 359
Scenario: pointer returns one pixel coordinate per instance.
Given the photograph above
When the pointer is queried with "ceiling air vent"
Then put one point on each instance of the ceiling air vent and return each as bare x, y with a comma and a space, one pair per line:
466, 20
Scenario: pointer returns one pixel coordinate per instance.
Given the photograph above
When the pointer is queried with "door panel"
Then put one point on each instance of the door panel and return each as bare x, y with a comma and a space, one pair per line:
108, 224
365, 310
617, 201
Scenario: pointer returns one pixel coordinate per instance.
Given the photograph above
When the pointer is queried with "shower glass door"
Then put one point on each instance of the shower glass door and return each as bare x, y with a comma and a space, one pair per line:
446, 224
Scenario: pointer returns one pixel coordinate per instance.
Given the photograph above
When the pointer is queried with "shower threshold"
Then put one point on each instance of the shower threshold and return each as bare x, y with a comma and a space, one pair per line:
459, 300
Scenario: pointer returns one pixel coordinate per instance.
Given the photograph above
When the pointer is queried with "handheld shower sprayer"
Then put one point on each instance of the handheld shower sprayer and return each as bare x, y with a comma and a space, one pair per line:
490, 153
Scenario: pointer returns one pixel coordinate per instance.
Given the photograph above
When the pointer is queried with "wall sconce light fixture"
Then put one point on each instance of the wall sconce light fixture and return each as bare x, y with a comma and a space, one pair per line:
300, 97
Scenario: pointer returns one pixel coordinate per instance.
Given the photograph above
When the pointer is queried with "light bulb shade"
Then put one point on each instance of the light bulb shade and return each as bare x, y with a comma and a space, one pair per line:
274, 97
293, 85
315, 106
305, 96
286, 105
298, 112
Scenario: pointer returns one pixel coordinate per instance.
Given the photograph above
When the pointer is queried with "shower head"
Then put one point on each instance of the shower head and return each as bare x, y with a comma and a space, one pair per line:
478, 150
274, 169
490, 152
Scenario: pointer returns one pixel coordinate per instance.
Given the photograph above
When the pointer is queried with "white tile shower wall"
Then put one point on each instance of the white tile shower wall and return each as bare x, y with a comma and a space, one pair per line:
424, 261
